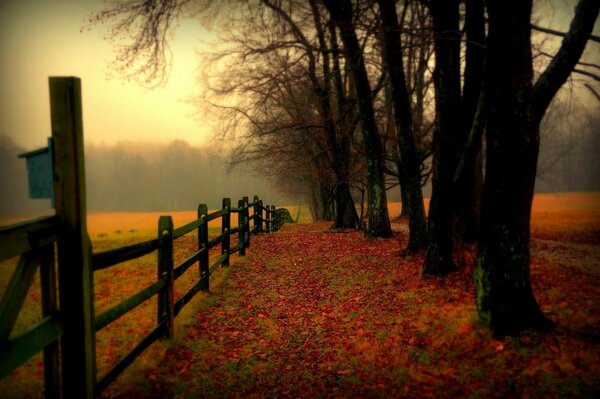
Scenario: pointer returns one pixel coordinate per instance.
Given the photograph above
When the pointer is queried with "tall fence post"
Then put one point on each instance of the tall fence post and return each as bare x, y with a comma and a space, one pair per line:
275, 219
241, 228
225, 228
165, 268
78, 342
260, 216
203, 243
268, 218
247, 228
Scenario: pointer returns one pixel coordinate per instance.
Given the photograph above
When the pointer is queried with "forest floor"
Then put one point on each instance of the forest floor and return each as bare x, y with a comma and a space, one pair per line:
311, 312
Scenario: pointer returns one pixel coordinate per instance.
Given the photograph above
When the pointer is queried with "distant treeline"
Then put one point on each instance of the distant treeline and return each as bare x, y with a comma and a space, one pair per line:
133, 176
569, 157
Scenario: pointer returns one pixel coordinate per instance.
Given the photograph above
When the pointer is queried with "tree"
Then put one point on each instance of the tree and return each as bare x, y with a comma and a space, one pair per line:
444, 14
410, 173
468, 178
504, 297
378, 218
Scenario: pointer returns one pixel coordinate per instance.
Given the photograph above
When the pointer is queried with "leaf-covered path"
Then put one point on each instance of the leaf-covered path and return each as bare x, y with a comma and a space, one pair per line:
313, 313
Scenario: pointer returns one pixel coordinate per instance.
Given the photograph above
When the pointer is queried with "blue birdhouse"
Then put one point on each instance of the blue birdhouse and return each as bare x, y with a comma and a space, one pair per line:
40, 172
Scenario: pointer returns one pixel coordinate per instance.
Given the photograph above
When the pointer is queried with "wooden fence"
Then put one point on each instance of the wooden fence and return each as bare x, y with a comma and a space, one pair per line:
168, 273
69, 322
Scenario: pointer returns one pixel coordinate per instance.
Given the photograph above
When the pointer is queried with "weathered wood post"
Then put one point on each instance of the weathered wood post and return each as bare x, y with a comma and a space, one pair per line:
255, 215
225, 226
49, 308
241, 228
78, 343
203, 243
268, 218
260, 216
247, 228
165, 268
275, 219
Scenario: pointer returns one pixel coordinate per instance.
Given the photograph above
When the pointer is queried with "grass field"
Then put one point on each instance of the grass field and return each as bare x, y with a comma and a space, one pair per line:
566, 239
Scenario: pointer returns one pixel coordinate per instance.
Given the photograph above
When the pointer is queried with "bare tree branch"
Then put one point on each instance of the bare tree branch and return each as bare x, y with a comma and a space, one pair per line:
593, 38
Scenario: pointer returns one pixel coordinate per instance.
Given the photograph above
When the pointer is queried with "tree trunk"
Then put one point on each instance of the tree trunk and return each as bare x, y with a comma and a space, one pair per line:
444, 14
504, 297
404, 199
325, 194
469, 184
344, 212
378, 218
345, 216
409, 167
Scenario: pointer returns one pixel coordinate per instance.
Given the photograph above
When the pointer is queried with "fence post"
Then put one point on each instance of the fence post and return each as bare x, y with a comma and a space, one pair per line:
49, 307
78, 342
247, 228
225, 226
203, 243
260, 216
275, 219
255, 215
165, 268
241, 228
268, 218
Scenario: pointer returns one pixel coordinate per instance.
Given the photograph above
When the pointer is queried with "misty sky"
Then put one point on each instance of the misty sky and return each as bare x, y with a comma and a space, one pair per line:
41, 38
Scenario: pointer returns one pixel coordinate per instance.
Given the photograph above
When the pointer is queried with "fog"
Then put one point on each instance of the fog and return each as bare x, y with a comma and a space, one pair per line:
569, 157
134, 176
138, 176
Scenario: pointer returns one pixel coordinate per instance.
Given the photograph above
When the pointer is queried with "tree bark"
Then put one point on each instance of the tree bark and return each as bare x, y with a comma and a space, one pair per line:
444, 14
378, 218
504, 296
345, 215
469, 184
409, 167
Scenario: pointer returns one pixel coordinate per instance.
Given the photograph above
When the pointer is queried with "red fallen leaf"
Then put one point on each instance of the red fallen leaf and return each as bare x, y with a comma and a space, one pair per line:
499, 346
262, 315
465, 328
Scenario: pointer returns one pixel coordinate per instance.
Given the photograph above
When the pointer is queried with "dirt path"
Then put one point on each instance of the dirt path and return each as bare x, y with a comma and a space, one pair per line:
310, 313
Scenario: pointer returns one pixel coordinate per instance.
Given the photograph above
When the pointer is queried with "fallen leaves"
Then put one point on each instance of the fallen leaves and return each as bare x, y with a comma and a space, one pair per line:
314, 313
311, 312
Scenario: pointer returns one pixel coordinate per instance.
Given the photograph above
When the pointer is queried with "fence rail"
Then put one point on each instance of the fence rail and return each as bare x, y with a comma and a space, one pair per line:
72, 326
34, 242
168, 308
